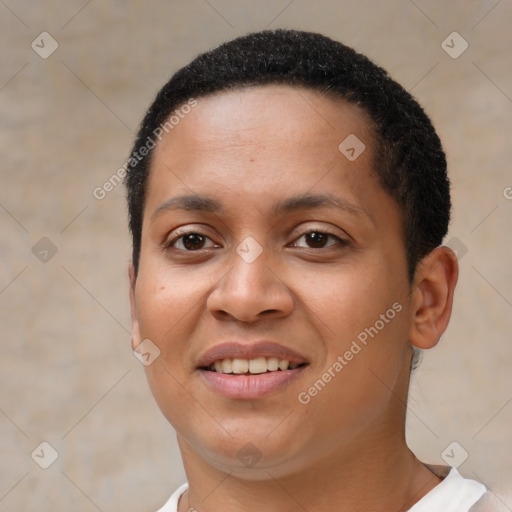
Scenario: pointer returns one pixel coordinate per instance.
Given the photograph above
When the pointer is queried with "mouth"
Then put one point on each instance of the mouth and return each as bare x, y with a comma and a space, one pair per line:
250, 371
254, 366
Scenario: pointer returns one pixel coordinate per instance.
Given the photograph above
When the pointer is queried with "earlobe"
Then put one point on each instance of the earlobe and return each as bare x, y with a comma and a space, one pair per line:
433, 289
133, 307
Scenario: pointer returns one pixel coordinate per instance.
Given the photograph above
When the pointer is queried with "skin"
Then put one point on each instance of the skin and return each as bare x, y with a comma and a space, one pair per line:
345, 449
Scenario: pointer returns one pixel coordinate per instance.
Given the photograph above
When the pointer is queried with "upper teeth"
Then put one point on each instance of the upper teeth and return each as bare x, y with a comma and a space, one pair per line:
257, 365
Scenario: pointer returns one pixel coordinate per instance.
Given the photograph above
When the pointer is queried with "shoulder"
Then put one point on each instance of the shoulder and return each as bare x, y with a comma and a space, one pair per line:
172, 503
490, 502
454, 494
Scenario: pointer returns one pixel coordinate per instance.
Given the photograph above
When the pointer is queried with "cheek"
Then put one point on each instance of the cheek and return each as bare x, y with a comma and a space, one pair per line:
363, 319
164, 298
165, 308
345, 301
155, 314
169, 305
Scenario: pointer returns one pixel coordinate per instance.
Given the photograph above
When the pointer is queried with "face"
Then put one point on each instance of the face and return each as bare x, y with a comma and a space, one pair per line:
262, 241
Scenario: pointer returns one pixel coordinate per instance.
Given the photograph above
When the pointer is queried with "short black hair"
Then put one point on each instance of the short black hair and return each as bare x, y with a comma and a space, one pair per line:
408, 157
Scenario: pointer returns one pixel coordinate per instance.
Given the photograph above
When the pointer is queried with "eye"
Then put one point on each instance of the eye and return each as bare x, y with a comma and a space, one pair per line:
190, 241
319, 240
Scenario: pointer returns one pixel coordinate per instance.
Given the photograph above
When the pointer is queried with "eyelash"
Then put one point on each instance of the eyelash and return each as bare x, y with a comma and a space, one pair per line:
339, 241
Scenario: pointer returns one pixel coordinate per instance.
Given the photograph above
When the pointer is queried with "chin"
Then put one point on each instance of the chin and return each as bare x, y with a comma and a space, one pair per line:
255, 457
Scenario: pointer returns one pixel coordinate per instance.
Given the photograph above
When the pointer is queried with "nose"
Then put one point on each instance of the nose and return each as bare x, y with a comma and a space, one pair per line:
250, 292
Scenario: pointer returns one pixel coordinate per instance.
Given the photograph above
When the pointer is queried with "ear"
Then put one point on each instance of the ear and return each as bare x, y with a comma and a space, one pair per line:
135, 322
433, 287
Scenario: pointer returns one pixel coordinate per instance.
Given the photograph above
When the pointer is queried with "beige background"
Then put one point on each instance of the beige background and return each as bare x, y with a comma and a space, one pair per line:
67, 123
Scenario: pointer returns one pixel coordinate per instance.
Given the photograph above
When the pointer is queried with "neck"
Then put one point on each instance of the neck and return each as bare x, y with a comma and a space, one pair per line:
378, 475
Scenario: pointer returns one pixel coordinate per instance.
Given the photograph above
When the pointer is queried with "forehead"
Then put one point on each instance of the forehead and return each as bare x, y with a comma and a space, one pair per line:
266, 114
271, 133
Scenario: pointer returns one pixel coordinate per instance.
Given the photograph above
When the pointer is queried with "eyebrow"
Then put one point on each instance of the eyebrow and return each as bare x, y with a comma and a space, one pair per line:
194, 202
310, 201
189, 203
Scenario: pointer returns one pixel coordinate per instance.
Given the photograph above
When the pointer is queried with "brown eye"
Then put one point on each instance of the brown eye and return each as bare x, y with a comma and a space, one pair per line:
193, 241
318, 240
190, 242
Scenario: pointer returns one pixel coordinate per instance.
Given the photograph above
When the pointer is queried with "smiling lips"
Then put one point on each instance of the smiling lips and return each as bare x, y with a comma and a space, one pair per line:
252, 366
249, 371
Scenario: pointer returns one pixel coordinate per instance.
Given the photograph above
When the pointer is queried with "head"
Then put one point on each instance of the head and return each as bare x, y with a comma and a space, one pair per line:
300, 196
